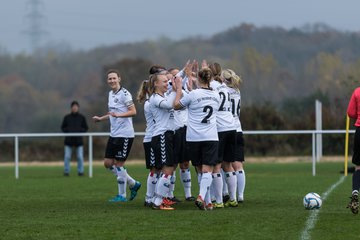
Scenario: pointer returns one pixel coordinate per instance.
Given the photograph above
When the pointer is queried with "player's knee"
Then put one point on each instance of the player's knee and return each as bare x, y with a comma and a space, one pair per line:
108, 163
167, 170
184, 165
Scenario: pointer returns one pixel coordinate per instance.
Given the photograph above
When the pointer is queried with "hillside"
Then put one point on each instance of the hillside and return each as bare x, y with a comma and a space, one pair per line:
279, 67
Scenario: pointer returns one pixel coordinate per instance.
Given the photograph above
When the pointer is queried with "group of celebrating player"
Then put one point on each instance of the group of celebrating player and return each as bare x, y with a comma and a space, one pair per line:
190, 114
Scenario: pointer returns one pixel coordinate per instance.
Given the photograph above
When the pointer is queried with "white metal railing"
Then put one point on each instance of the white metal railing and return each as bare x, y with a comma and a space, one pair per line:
90, 135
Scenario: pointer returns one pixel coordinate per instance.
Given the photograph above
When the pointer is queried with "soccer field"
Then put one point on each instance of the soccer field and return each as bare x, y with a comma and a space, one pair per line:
43, 204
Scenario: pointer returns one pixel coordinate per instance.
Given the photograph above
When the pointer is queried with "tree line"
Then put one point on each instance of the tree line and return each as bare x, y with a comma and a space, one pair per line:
284, 71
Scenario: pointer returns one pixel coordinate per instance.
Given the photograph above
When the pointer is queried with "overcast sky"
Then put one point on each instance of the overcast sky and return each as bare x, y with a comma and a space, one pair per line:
86, 24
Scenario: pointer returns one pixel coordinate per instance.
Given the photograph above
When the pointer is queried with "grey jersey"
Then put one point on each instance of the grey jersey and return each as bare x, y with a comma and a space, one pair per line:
224, 118
161, 108
203, 105
119, 102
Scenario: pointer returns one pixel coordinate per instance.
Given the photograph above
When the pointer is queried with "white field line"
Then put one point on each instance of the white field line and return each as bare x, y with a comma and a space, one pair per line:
311, 221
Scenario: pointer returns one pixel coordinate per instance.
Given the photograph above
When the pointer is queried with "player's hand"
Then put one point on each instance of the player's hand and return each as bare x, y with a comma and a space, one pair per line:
189, 84
96, 118
177, 83
204, 64
113, 114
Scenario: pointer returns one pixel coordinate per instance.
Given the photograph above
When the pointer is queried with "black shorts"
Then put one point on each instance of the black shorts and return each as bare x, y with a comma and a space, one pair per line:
163, 148
118, 148
227, 142
149, 155
239, 149
203, 153
356, 155
180, 153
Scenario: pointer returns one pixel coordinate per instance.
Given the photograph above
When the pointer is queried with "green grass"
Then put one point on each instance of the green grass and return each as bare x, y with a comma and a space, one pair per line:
42, 204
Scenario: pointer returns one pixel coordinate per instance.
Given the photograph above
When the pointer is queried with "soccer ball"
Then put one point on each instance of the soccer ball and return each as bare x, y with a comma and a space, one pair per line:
312, 201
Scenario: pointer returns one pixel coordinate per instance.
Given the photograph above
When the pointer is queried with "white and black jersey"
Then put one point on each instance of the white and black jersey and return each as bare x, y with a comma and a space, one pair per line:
149, 152
203, 105
149, 122
235, 99
180, 116
119, 102
224, 120
162, 110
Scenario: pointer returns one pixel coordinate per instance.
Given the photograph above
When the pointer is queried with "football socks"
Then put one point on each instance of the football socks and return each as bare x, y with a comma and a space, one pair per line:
205, 183
130, 181
185, 177
217, 188
231, 181
172, 185
225, 186
150, 186
113, 170
240, 175
121, 180
162, 189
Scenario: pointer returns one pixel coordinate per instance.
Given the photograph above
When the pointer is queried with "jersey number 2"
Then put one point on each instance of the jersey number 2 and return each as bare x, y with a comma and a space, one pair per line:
209, 111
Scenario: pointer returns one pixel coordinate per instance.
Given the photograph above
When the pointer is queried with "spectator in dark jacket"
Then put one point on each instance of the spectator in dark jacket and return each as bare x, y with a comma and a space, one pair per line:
74, 122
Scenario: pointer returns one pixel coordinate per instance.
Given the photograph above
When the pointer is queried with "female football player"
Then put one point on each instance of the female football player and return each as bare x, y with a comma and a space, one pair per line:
353, 112
161, 109
180, 153
143, 98
121, 109
227, 139
201, 133
233, 81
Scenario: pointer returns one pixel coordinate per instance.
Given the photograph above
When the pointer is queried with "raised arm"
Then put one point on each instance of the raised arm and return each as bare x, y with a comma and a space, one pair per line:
168, 102
204, 64
178, 96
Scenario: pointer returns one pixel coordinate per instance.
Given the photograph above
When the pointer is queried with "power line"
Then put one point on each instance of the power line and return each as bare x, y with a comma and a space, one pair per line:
34, 19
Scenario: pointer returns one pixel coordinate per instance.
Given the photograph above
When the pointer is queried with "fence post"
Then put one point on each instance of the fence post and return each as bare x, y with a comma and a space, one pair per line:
313, 154
90, 156
16, 157
346, 145
318, 123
